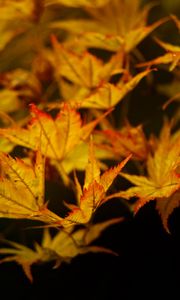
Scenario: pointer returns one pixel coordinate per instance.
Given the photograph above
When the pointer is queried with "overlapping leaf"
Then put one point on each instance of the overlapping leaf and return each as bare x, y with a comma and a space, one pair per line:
58, 136
108, 95
22, 190
109, 31
91, 71
163, 179
127, 140
91, 78
94, 190
62, 247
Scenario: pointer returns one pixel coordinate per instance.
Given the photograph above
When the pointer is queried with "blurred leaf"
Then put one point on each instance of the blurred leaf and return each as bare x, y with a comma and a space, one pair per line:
106, 30
62, 247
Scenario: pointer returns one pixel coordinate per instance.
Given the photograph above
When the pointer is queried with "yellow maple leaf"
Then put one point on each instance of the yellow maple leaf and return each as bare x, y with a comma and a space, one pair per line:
91, 70
163, 179
94, 190
62, 247
106, 30
107, 95
88, 86
22, 190
58, 136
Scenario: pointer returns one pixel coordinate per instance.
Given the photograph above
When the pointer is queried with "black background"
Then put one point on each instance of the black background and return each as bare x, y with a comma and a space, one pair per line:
147, 267
148, 264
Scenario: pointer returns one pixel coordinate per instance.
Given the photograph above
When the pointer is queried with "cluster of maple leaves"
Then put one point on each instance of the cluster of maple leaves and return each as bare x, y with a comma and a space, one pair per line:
57, 101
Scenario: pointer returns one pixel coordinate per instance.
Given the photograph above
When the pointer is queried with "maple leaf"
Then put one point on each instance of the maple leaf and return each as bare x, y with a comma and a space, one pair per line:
126, 140
58, 137
94, 190
106, 30
87, 85
172, 56
78, 157
22, 190
91, 71
163, 179
60, 248
107, 95
22, 255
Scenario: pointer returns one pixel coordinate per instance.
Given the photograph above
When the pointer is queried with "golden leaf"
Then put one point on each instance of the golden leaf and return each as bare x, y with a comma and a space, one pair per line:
106, 30
58, 137
62, 247
163, 179
94, 190
22, 190
107, 95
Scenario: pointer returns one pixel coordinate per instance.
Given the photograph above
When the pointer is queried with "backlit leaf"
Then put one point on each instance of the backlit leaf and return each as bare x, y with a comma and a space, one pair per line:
94, 190
163, 179
62, 247
58, 136
22, 190
127, 140
106, 30
107, 95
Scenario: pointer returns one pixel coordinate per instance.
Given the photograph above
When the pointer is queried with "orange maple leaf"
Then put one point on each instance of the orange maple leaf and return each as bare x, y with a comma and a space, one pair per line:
162, 179
94, 190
